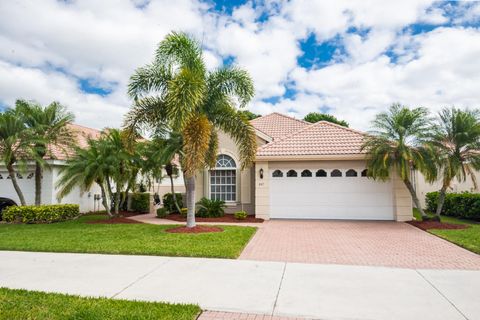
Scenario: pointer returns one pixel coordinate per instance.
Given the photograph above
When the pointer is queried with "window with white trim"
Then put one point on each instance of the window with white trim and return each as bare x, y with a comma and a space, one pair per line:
223, 179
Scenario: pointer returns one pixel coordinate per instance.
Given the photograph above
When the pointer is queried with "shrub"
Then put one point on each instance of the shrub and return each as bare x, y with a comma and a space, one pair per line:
41, 214
169, 204
240, 215
162, 213
463, 205
183, 212
209, 208
140, 202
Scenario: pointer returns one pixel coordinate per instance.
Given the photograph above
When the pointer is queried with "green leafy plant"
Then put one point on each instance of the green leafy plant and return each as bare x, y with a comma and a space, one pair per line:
41, 214
140, 202
168, 202
462, 205
183, 212
240, 215
162, 213
210, 208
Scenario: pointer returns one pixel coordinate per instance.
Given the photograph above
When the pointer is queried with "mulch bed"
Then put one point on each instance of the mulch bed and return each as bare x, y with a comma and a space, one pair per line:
225, 218
426, 225
196, 229
115, 220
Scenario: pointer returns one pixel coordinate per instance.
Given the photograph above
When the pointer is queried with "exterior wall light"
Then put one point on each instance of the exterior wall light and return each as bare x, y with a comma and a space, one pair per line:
261, 173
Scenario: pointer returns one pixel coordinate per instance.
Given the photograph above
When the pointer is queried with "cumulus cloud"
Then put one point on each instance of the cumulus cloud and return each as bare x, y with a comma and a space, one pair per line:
49, 47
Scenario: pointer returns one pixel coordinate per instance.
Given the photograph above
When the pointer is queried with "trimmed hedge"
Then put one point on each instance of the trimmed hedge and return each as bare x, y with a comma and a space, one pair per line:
41, 214
168, 203
140, 202
463, 205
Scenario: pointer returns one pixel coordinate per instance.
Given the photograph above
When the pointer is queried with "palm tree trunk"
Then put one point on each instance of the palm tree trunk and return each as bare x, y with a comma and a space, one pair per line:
174, 195
38, 184
13, 177
104, 199
190, 183
117, 199
413, 193
441, 199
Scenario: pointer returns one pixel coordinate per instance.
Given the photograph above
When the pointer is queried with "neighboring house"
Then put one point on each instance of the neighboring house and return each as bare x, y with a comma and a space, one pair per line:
424, 187
55, 161
303, 171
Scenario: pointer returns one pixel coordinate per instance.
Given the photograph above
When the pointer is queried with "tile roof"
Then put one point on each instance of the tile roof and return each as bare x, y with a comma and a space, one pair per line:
277, 125
321, 138
82, 134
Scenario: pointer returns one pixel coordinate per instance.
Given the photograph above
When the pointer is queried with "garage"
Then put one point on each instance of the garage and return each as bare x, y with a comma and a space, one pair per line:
338, 192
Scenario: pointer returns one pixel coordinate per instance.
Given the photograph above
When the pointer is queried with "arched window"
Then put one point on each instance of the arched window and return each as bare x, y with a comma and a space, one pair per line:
351, 173
277, 174
292, 173
336, 173
306, 173
364, 172
321, 173
30, 175
223, 179
19, 176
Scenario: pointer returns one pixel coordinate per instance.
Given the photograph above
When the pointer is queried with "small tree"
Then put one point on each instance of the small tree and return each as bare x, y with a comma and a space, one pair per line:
313, 117
49, 124
397, 146
15, 144
456, 139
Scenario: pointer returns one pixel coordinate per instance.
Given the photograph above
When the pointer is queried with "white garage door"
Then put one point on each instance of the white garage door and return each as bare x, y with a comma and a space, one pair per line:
343, 193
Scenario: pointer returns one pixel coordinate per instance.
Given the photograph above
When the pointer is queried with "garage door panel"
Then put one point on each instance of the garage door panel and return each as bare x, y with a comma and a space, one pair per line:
330, 198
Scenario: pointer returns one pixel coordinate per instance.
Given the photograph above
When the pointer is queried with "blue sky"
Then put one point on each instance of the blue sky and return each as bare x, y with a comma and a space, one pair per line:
352, 59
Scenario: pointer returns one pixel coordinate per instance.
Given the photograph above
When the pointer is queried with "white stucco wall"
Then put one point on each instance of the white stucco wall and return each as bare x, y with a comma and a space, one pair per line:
49, 193
424, 187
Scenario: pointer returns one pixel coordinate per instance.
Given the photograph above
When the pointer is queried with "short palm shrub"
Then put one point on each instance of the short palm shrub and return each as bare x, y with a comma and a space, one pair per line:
140, 202
162, 213
41, 214
240, 215
170, 204
462, 205
210, 208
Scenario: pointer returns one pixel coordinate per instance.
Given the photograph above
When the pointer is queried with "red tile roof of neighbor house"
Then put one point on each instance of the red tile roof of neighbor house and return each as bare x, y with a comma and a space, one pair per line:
321, 138
81, 133
277, 125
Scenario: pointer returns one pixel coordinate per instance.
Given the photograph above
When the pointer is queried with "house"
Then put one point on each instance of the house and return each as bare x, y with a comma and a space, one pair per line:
303, 171
55, 160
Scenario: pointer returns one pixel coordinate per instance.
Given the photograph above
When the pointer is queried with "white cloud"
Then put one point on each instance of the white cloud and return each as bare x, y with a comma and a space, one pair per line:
48, 45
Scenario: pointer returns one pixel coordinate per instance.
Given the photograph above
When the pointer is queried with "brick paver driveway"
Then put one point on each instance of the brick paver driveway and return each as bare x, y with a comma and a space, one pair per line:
372, 243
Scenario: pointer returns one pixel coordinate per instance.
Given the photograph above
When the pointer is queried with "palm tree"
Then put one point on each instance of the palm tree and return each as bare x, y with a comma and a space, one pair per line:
397, 147
456, 139
176, 92
50, 125
87, 167
15, 145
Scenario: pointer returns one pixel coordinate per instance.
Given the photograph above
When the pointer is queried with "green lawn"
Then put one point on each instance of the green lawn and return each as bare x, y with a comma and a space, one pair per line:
142, 239
26, 305
467, 238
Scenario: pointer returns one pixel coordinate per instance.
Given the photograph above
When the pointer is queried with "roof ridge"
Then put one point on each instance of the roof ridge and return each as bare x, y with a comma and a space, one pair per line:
79, 125
290, 117
312, 125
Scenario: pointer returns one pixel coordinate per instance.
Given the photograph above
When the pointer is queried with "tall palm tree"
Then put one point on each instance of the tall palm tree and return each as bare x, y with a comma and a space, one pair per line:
397, 147
15, 144
177, 92
87, 167
50, 125
456, 138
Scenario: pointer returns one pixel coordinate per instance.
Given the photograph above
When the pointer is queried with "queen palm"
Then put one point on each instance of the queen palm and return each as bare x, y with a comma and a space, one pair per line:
50, 125
15, 144
177, 92
397, 147
87, 167
456, 138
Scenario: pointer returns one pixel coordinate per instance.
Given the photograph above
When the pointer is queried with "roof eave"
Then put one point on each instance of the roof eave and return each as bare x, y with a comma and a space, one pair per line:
354, 156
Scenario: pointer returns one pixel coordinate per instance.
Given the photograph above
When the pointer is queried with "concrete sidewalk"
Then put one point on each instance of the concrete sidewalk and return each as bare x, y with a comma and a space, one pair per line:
271, 288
